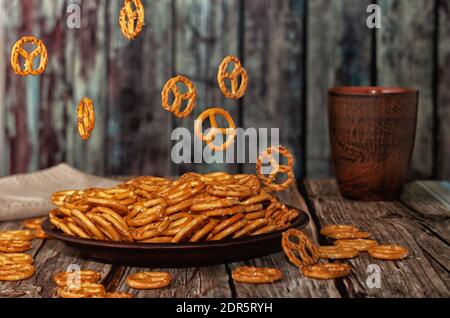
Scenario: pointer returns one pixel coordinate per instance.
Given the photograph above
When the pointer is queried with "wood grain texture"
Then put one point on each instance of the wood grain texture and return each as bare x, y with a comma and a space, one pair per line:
205, 282
443, 94
205, 32
138, 129
87, 76
339, 54
389, 223
274, 51
405, 49
430, 207
19, 145
293, 284
26, 288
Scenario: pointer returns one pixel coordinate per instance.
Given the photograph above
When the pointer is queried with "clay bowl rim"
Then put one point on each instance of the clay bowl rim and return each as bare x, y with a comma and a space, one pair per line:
370, 91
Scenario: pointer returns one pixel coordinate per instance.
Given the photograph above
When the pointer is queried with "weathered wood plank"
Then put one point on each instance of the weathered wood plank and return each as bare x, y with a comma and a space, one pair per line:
388, 222
205, 282
274, 51
19, 145
26, 288
55, 257
443, 97
430, 207
205, 32
86, 74
339, 54
52, 91
293, 283
405, 55
138, 129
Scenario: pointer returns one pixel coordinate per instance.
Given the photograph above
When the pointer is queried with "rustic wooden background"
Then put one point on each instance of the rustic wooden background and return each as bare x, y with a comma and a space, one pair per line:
293, 50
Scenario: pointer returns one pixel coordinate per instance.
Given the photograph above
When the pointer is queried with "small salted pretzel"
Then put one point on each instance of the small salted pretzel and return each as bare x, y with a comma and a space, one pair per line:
269, 181
87, 225
33, 224
64, 279
119, 295
209, 138
19, 51
333, 228
84, 290
151, 230
190, 96
40, 234
187, 230
131, 21
204, 231
339, 235
225, 224
149, 280
15, 258
327, 271
361, 245
213, 203
256, 275
237, 91
264, 230
388, 252
301, 253
14, 246
252, 226
86, 118
245, 187
337, 252
16, 272
260, 198
18, 235
230, 230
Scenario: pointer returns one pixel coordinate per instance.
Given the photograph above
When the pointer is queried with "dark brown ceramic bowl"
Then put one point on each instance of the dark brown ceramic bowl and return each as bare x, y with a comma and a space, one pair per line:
175, 255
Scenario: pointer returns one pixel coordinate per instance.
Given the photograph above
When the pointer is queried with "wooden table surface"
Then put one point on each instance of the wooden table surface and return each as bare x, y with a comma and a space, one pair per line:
420, 222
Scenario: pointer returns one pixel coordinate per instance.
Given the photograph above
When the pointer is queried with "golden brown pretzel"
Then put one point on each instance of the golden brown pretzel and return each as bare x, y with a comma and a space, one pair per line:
269, 181
19, 51
131, 21
119, 295
14, 246
85, 290
149, 280
333, 228
33, 224
337, 252
64, 279
190, 96
388, 252
237, 91
16, 272
243, 189
255, 275
361, 245
209, 138
86, 118
327, 271
301, 253
15, 258
17, 235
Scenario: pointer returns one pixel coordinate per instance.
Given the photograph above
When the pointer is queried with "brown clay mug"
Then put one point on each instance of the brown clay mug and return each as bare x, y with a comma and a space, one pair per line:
372, 132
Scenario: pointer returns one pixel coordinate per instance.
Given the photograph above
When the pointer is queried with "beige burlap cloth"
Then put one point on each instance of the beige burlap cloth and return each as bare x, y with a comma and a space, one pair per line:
28, 195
